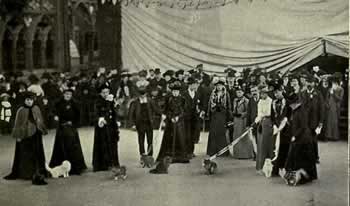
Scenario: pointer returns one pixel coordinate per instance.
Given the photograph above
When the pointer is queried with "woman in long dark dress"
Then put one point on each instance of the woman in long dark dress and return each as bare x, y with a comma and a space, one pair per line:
219, 113
174, 139
29, 160
333, 104
301, 161
67, 143
105, 149
244, 148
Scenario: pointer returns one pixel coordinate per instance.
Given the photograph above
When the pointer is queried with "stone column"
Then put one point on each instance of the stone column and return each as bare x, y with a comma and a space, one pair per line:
108, 27
43, 62
28, 50
3, 24
80, 46
14, 36
29, 38
91, 49
62, 52
43, 36
2, 31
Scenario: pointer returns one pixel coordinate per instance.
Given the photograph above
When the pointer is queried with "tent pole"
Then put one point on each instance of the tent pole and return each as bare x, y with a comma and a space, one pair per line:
324, 48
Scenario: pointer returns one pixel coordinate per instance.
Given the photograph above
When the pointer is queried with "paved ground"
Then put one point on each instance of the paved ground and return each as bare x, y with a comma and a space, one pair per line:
235, 184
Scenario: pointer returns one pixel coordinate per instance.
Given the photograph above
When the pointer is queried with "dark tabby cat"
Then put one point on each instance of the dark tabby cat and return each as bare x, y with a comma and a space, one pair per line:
293, 178
210, 166
162, 166
119, 173
147, 161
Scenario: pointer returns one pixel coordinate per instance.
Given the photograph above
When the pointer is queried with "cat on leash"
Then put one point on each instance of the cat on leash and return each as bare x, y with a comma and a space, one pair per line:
147, 161
62, 170
267, 168
209, 166
119, 173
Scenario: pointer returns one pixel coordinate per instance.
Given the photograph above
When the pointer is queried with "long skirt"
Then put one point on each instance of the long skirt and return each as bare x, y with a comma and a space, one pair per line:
244, 148
105, 149
217, 139
29, 160
174, 142
280, 162
332, 121
67, 147
265, 142
302, 156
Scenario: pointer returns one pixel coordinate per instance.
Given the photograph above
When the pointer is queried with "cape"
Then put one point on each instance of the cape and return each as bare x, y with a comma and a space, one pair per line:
25, 128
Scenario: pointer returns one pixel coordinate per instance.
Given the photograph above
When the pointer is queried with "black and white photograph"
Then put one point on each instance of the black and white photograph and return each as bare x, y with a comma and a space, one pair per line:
174, 102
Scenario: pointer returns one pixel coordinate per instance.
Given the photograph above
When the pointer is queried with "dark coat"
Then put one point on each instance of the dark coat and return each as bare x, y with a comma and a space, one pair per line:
252, 111
105, 149
67, 143
192, 105
192, 120
161, 84
68, 111
278, 116
314, 104
135, 111
204, 92
174, 139
299, 125
232, 92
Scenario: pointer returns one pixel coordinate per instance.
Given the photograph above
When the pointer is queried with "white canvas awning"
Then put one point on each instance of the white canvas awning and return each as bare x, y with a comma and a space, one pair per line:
272, 34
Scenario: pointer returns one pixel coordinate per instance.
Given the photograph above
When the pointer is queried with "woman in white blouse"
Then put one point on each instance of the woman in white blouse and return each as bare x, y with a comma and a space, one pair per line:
264, 138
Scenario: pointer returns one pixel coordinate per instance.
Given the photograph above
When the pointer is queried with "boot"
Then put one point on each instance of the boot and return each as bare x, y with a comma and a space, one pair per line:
10, 177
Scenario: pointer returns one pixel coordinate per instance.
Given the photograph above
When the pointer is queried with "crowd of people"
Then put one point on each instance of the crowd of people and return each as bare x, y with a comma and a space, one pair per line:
302, 107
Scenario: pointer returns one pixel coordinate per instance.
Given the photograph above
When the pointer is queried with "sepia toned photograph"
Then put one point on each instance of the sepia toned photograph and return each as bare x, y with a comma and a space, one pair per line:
174, 102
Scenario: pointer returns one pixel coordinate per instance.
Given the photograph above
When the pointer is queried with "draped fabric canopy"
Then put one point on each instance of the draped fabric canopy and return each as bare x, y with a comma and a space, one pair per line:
271, 34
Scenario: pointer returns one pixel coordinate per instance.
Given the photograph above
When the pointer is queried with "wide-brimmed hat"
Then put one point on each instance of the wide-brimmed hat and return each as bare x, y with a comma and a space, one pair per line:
179, 72
29, 95
175, 85
168, 73
220, 81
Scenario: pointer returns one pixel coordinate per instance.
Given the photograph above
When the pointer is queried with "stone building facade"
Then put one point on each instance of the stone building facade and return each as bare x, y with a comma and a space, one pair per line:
42, 37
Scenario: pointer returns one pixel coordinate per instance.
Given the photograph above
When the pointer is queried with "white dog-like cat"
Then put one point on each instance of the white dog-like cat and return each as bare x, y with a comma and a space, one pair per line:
267, 168
61, 170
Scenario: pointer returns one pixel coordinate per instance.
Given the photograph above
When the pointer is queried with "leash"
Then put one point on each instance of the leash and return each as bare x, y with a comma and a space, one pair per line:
252, 139
159, 135
232, 144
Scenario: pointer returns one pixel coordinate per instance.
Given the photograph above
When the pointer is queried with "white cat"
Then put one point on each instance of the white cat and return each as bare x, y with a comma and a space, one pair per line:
62, 170
267, 168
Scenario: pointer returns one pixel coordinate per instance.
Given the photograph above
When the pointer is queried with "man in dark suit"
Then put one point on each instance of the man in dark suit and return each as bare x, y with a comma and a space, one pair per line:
141, 113
231, 84
192, 113
158, 81
315, 107
203, 92
252, 110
